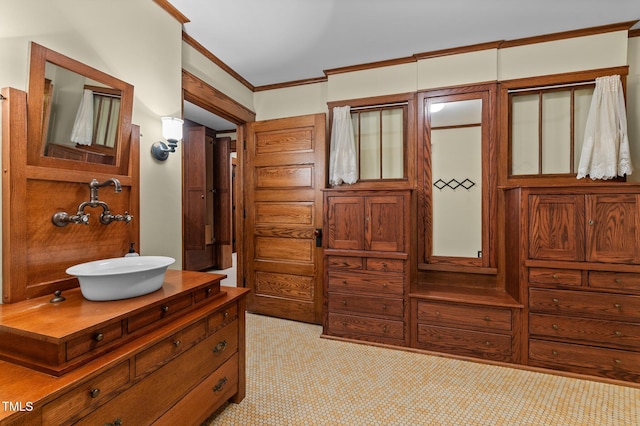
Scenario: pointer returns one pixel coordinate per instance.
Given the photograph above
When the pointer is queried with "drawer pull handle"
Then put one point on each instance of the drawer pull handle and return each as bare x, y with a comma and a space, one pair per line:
177, 343
226, 315
221, 346
385, 329
618, 280
617, 361
209, 290
384, 265
384, 285
218, 387
93, 393
487, 343
617, 306
554, 352
591, 222
554, 276
555, 300
344, 323
116, 422
487, 318
344, 303
165, 309
98, 337
618, 333
344, 282
384, 307
437, 313
554, 326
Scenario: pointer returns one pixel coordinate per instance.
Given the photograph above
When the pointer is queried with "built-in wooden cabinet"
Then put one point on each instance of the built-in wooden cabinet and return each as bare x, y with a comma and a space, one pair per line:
582, 279
367, 264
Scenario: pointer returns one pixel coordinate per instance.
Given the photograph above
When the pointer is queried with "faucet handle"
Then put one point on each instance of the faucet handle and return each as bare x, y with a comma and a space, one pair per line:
127, 217
83, 218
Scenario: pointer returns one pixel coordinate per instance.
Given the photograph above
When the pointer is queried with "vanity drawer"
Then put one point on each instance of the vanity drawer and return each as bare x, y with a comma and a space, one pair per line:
615, 280
585, 303
205, 398
86, 396
158, 312
377, 306
485, 317
164, 351
93, 340
601, 332
361, 327
555, 276
464, 342
612, 363
385, 265
209, 292
366, 283
222, 317
344, 262
159, 391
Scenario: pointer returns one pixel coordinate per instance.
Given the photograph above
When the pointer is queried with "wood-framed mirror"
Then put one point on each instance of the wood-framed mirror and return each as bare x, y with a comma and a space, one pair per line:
79, 118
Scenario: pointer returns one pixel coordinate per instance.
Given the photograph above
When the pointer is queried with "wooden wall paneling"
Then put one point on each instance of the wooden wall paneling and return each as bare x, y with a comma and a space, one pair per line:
14, 183
36, 253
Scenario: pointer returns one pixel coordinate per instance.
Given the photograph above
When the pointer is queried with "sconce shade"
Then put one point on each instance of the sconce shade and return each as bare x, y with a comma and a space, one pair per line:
172, 132
172, 128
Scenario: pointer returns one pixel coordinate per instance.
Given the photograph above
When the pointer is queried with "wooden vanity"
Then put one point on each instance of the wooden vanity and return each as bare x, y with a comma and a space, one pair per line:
170, 357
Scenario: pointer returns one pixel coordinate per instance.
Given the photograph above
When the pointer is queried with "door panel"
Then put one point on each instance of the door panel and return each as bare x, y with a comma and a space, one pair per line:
194, 221
285, 163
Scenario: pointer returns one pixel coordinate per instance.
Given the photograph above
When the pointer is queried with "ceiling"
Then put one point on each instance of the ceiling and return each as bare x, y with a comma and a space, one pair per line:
277, 41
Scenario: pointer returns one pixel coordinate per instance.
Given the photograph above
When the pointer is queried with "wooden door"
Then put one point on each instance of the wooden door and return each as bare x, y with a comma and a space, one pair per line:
613, 231
384, 223
197, 248
222, 205
556, 227
345, 220
284, 176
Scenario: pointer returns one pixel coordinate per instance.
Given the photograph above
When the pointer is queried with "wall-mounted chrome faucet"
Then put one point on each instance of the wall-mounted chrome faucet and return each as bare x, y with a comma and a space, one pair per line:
63, 218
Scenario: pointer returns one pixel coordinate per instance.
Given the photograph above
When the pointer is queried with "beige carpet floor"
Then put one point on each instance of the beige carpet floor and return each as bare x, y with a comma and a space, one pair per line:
294, 377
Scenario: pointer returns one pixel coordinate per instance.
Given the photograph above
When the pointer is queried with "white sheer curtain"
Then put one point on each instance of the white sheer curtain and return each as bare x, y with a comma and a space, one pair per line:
82, 131
343, 164
605, 151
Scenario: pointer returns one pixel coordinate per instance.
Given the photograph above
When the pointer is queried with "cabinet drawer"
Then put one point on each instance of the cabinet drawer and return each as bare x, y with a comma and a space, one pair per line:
616, 306
615, 280
555, 276
366, 283
205, 398
376, 306
438, 313
87, 396
222, 318
464, 342
602, 332
158, 312
344, 262
209, 292
612, 363
93, 340
142, 403
162, 352
385, 265
356, 327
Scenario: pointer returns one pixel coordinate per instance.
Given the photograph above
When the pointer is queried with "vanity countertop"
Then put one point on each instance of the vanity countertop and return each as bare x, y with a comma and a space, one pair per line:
58, 337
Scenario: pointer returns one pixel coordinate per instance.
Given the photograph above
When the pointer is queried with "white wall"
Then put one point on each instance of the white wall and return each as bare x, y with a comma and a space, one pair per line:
633, 105
135, 41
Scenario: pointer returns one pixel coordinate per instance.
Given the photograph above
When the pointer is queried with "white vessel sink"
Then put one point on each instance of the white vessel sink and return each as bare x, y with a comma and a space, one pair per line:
120, 277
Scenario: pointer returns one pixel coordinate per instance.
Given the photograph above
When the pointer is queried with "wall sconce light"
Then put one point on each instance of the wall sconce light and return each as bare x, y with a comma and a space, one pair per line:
172, 132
